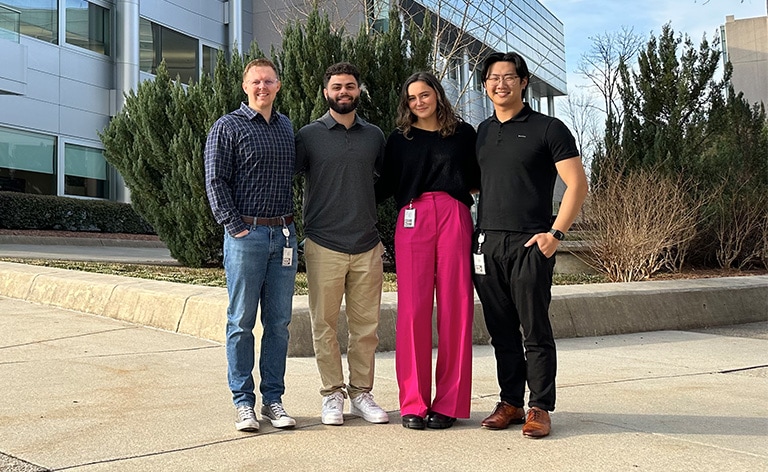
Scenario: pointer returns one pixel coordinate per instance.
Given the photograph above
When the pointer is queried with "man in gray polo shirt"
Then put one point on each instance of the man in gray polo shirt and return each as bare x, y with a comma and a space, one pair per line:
341, 155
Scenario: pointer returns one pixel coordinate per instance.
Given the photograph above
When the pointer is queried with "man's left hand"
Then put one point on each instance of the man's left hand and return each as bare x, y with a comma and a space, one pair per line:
546, 241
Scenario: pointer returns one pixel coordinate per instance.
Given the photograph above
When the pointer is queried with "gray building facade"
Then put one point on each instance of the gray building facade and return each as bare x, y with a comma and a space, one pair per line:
745, 46
66, 65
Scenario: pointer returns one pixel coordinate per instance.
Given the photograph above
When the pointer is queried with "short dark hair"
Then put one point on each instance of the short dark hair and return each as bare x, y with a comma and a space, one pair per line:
341, 68
520, 66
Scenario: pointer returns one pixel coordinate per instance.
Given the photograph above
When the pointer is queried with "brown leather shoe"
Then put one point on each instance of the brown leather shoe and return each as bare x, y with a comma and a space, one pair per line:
537, 423
504, 415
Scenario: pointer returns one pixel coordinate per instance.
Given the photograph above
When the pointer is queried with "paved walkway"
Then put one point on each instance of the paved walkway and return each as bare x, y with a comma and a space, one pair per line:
89, 393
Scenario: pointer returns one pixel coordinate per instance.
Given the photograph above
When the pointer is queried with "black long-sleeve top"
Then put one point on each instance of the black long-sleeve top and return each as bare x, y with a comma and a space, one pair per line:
427, 162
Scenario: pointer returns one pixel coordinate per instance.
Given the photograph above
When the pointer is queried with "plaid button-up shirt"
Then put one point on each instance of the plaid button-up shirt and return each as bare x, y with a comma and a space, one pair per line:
249, 167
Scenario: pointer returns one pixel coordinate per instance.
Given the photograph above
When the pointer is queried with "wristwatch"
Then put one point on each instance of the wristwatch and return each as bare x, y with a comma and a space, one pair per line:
559, 235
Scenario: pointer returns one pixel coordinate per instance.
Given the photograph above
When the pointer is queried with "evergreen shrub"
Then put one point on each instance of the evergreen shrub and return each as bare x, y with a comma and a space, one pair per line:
50, 212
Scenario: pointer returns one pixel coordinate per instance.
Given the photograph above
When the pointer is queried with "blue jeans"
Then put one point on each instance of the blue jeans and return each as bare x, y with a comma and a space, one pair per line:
256, 276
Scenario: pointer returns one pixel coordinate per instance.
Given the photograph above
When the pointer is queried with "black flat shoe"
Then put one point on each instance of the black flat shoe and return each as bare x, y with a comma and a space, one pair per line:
439, 421
413, 422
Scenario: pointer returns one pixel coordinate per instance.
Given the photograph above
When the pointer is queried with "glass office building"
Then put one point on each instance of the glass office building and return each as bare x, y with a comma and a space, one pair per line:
66, 65
477, 27
473, 30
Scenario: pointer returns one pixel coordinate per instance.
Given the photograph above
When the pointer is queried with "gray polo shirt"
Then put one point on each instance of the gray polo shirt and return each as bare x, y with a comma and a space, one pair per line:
341, 166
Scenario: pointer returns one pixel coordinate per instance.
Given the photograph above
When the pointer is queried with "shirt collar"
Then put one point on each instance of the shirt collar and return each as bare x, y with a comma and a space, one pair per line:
250, 113
522, 115
329, 122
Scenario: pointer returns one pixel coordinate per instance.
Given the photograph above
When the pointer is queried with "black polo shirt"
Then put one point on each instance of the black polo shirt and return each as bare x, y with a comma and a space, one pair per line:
517, 170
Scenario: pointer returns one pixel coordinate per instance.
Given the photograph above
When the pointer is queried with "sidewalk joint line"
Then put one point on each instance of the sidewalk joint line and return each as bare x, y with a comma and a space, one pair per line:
74, 336
742, 369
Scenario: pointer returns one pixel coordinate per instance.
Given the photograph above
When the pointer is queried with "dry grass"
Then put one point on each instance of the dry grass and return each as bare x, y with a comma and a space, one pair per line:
211, 277
214, 277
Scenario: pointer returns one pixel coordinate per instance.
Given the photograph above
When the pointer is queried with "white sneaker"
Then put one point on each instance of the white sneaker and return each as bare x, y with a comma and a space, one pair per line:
363, 405
333, 409
246, 419
277, 415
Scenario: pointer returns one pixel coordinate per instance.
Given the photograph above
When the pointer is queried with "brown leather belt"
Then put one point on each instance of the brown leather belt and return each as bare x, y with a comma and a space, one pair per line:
276, 221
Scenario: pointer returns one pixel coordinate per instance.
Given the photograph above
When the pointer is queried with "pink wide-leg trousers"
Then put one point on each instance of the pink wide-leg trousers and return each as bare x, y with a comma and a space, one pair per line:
433, 259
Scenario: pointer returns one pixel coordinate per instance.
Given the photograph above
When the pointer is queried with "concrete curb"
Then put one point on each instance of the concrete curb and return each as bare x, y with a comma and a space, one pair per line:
576, 310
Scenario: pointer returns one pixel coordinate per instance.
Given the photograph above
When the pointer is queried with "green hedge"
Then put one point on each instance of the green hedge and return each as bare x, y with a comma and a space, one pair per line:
49, 212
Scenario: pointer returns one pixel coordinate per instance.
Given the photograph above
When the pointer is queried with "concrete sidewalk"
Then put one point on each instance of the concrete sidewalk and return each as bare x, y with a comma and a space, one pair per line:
109, 392
89, 393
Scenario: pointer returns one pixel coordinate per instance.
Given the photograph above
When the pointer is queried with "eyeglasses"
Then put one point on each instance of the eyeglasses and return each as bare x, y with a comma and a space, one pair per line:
267, 83
507, 78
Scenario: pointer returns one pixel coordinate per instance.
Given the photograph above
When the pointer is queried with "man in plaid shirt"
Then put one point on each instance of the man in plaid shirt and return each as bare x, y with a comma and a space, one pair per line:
249, 158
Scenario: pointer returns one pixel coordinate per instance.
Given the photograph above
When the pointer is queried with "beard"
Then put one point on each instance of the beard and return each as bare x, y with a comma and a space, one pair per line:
345, 108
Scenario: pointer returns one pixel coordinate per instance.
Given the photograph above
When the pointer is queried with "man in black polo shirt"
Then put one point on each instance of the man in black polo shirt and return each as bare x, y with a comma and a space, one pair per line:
521, 152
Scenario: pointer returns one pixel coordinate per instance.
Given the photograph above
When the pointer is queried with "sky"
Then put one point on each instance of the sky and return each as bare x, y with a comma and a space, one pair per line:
583, 19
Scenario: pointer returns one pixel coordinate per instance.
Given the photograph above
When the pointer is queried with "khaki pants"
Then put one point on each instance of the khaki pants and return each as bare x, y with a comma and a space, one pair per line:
358, 278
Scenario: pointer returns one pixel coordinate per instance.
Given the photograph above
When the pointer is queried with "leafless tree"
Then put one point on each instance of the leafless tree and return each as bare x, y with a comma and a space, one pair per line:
341, 13
460, 38
601, 64
581, 114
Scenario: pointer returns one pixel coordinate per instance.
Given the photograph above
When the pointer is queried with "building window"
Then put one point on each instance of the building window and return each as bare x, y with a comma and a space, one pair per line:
210, 56
147, 46
9, 23
477, 80
39, 18
85, 172
534, 102
180, 51
88, 26
27, 162
378, 14
454, 69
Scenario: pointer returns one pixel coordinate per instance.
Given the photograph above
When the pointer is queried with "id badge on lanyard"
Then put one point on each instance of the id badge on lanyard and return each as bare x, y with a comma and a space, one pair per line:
287, 250
409, 217
479, 258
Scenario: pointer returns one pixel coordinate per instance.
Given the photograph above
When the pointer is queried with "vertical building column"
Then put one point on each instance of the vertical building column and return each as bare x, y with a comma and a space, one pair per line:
550, 104
235, 13
126, 67
127, 51
466, 86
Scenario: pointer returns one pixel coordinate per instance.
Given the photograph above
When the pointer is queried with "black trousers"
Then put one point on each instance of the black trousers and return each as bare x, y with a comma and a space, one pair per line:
515, 293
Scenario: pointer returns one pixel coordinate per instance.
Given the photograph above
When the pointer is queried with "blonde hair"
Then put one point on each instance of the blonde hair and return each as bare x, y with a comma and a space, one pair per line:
260, 62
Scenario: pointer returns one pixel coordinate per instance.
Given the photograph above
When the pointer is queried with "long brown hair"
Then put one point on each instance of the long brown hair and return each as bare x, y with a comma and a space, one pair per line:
446, 117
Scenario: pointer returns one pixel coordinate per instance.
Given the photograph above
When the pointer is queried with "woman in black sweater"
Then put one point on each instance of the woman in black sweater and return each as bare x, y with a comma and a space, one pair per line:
431, 169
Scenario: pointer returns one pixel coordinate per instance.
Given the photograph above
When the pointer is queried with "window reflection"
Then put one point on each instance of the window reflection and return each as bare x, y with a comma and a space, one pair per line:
210, 56
157, 42
88, 26
85, 172
27, 162
39, 18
